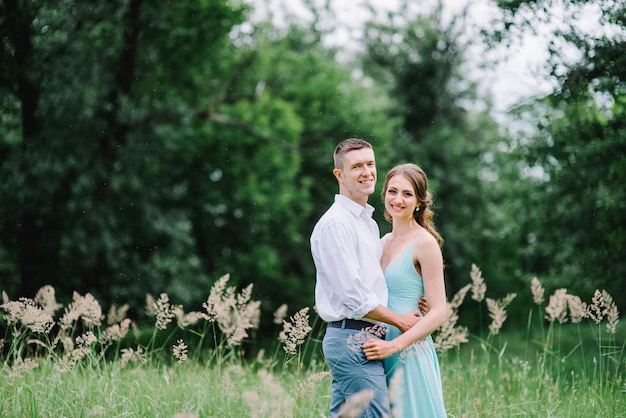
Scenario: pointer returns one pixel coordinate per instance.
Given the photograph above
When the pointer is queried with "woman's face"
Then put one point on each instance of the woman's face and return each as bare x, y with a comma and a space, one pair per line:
400, 198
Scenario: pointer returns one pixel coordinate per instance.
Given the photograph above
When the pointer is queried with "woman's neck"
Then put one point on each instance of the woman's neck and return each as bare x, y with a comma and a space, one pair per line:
404, 229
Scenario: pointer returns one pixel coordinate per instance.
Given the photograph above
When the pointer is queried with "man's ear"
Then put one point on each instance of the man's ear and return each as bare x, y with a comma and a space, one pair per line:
338, 174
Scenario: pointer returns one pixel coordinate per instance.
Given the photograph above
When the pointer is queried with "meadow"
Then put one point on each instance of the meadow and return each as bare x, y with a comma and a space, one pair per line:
76, 361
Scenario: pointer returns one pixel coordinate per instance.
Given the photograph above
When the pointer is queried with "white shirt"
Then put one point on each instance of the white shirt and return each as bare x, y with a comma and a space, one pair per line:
346, 249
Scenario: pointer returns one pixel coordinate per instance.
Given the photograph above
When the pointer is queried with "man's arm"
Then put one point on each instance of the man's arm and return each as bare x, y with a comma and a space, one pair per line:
386, 315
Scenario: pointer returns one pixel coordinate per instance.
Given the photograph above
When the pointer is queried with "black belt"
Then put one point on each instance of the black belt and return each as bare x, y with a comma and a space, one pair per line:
350, 324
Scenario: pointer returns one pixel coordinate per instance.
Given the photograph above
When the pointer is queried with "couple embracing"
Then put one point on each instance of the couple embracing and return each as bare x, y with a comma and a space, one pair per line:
364, 282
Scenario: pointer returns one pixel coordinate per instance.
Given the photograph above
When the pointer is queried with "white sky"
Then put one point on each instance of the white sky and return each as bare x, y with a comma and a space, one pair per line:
519, 74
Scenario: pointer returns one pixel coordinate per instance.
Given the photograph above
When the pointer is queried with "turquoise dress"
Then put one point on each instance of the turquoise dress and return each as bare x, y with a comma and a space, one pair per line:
417, 391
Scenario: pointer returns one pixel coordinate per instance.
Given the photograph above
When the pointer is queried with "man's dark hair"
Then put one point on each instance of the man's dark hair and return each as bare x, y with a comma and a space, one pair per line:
347, 145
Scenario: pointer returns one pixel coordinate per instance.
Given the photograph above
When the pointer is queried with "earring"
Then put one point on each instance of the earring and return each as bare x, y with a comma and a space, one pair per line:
417, 209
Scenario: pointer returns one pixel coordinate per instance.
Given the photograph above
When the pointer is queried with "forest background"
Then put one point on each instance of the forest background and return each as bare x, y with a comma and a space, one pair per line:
152, 147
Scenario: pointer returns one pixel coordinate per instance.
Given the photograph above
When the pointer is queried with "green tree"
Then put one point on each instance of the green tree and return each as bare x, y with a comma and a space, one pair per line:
170, 144
92, 95
444, 130
320, 103
577, 234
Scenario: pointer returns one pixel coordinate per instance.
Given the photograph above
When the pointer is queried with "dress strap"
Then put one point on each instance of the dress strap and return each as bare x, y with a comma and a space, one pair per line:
418, 235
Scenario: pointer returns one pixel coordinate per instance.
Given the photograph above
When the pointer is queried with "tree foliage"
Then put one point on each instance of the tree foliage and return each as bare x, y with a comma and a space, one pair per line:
578, 230
93, 180
152, 148
441, 128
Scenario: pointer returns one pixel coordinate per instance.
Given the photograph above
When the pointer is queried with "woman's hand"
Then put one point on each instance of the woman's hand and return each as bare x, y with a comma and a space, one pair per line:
376, 349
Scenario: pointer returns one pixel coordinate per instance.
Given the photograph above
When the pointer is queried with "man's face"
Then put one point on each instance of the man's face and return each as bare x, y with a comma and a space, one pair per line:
357, 177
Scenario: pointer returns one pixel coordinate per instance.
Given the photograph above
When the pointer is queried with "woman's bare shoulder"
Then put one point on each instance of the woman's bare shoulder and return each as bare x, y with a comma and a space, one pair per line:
426, 241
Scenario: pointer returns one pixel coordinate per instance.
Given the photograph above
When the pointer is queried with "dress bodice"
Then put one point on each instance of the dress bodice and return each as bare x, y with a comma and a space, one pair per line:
404, 283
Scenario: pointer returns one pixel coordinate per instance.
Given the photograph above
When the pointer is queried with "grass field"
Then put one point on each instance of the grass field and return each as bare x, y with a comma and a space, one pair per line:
568, 361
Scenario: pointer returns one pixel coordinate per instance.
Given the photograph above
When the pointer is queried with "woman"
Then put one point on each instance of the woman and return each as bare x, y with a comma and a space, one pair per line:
413, 267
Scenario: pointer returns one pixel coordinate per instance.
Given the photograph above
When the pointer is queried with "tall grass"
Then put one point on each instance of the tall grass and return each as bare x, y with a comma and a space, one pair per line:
568, 361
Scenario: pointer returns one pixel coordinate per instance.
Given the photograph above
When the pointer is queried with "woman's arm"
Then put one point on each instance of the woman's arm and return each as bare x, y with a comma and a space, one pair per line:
428, 255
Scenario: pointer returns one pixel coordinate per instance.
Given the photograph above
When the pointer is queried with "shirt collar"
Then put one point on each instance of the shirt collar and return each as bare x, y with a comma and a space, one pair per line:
353, 207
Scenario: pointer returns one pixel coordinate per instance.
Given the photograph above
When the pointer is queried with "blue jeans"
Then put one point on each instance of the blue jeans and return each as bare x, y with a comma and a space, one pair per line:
352, 372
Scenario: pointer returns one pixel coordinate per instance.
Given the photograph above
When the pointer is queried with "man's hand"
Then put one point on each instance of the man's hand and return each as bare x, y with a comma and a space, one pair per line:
408, 320
423, 306
401, 321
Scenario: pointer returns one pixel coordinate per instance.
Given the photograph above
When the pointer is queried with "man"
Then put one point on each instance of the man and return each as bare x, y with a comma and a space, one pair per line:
350, 290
